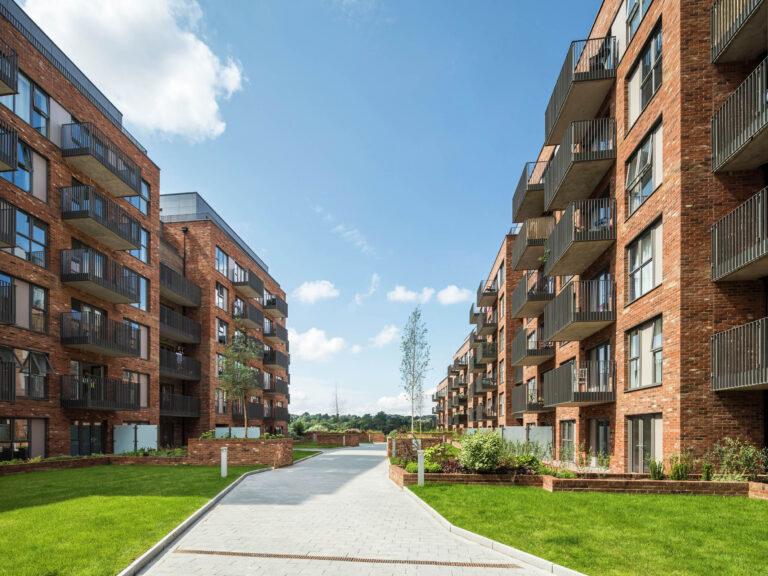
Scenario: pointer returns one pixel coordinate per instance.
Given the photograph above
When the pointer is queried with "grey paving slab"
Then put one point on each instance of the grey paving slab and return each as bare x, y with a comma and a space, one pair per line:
339, 505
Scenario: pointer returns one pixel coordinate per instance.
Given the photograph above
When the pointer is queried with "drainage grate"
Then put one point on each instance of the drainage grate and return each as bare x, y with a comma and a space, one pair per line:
349, 559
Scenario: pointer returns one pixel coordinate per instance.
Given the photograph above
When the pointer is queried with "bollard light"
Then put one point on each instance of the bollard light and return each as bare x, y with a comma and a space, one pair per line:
421, 467
223, 461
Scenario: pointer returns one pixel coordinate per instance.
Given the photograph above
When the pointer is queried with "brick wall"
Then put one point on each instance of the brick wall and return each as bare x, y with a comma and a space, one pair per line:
336, 438
277, 453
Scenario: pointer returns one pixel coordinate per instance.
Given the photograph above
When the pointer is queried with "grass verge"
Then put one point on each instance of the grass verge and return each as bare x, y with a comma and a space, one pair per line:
301, 454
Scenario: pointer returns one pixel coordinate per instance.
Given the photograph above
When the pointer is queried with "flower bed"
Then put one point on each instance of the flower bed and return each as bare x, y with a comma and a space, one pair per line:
402, 478
644, 486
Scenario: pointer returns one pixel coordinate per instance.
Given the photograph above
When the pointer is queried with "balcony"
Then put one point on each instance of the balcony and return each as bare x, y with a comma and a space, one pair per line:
528, 201
486, 326
249, 315
740, 241
473, 314
739, 137
580, 310
475, 366
585, 230
178, 366
7, 302
531, 295
585, 155
525, 399
7, 382
275, 359
274, 333
95, 274
177, 289
86, 149
483, 384
275, 307
9, 70
179, 405
528, 249
739, 29
438, 396
7, 226
487, 353
527, 351
248, 284
255, 411
9, 145
457, 384
276, 386
99, 217
460, 364
458, 400
96, 333
279, 413
740, 358
476, 341
591, 383
585, 80
178, 328
458, 420
437, 410
108, 394
487, 295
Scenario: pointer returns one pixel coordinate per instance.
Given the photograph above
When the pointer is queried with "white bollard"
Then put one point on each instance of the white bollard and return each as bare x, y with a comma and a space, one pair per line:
223, 461
421, 467
394, 447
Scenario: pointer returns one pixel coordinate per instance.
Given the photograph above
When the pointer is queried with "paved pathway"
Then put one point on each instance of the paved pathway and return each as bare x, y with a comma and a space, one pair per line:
335, 514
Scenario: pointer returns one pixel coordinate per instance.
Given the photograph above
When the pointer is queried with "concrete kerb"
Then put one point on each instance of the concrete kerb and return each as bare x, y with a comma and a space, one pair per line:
535, 561
316, 453
142, 561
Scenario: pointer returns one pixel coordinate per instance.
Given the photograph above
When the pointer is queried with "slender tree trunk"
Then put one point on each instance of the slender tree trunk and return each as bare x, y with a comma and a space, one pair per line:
245, 416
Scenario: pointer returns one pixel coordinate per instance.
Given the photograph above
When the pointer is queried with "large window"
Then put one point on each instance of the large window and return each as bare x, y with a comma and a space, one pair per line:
599, 437
645, 169
645, 441
222, 295
31, 239
645, 354
22, 176
38, 309
30, 103
532, 392
143, 286
221, 331
645, 261
143, 383
220, 399
222, 261
645, 78
141, 202
567, 429
142, 333
14, 439
142, 252
636, 9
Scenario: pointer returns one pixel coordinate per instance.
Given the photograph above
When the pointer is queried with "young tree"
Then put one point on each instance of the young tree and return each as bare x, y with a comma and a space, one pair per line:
414, 348
237, 375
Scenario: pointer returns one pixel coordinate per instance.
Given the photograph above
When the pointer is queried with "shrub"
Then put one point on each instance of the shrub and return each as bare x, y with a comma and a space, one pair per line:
432, 467
441, 453
680, 466
208, 435
706, 469
481, 452
297, 428
656, 469
566, 474
317, 428
546, 470
738, 460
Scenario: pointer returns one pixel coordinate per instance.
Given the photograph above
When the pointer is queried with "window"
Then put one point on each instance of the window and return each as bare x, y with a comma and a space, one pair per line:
31, 239
30, 103
221, 296
14, 438
501, 404
221, 401
239, 274
532, 391
142, 252
500, 275
501, 373
142, 380
219, 364
645, 441
143, 287
645, 262
38, 309
567, 428
599, 437
142, 333
645, 169
645, 354
636, 9
222, 261
601, 373
141, 201
221, 331
30, 371
501, 306
238, 308
22, 176
645, 78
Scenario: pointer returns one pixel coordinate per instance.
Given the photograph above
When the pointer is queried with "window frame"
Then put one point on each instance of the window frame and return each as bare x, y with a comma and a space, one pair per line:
221, 259
221, 296
31, 106
635, 357
636, 270
29, 236
142, 252
142, 200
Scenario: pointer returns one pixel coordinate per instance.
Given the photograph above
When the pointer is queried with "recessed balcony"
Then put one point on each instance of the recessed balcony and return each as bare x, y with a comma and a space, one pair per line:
102, 394
9, 148
7, 226
279, 413
585, 230
177, 289
739, 30
276, 386
249, 315
581, 309
487, 295
95, 274
89, 151
9, 70
483, 384
531, 295
740, 358
254, 411
528, 249
590, 383
528, 201
179, 405
528, 350
178, 366
275, 307
487, 353
177, 327
275, 333
275, 359
458, 420
248, 284
99, 217
586, 78
95, 333
586, 153
740, 241
458, 400
7, 302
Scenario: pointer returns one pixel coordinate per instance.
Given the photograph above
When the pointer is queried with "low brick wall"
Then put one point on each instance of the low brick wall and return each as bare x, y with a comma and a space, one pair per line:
336, 438
376, 437
404, 442
277, 453
758, 490
87, 462
402, 478
643, 486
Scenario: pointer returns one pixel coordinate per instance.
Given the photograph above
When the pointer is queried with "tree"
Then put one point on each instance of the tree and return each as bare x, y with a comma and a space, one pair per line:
414, 348
237, 375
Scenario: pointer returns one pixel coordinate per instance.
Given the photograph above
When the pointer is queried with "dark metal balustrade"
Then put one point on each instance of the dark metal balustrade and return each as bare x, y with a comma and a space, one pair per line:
486, 326
585, 230
487, 353
458, 420
740, 357
275, 307
483, 384
248, 284
531, 295
7, 382
739, 30
276, 359
249, 315
276, 413
179, 405
178, 289
530, 352
528, 201
177, 327
525, 399
7, 302
276, 386
99, 394
275, 333
9, 70
487, 295
9, 147
592, 382
7, 226
254, 411
99, 217
178, 366
94, 273
740, 241
528, 249
579, 310
93, 332
585, 154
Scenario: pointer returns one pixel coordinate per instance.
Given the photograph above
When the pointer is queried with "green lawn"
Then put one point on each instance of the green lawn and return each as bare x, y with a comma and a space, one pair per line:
301, 454
312, 446
612, 534
95, 521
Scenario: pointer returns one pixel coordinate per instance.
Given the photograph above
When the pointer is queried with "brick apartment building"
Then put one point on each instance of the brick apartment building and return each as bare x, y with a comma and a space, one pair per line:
84, 336
643, 236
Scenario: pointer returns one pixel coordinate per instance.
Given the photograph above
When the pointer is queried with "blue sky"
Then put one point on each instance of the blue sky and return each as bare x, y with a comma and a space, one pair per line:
350, 140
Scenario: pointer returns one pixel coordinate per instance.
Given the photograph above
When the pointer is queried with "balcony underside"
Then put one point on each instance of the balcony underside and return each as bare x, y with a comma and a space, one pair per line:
530, 258
478, 368
177, 335
581, 328
95, 229
745, 382
5, 88
179, 413
487, 297
103, 176
534, 357
272, 339
83, 344
537, 408
487, 329
168, 372
533, 306
752, 154
250, 322
83, 283
177, 298
754, 270
581, 178
588, 399
579, 256
583, 102
247, 290
532, 205
749, 41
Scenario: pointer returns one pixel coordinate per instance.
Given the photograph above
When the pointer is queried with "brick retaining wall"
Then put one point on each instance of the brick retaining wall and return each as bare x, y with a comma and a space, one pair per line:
402, 478
404, 442
336, 438
277, 453
642, 486
87, 462
758, 490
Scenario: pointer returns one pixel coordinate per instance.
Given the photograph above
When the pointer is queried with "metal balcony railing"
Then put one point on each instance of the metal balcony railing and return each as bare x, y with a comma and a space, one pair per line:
740, 241
528, 201
487, 294
585, 142
484, 384
590, 60
528, 248
175, 365
528, 351
487, 353
113, 170
90, 393
738, 29
178, 327
740, 357
93, 272
96, 333
276, 358
531, 294
525, 399
9, 70
276, 413
250, 315
179, 405
458, 420
592, 382
7, 302
276, 386
579, 310
177, 288
247, 283
275, 332
738, 127
7, 226
255, 411
100, 217
9, 141
7, 382
275, 306
585, 230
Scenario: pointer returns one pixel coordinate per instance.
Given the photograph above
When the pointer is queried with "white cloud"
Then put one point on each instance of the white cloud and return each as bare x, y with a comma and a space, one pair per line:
399, 404
149, 57
403, 294
454, 295
385, 336
356, 349
313, 345
349, 234
314, 290
372, 289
